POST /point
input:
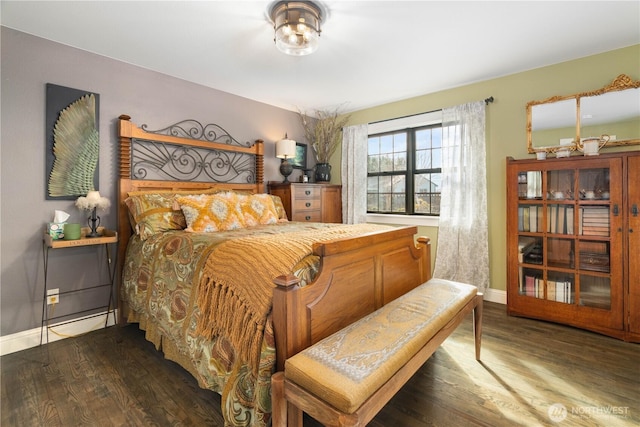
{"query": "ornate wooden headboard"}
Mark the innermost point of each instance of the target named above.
(185, 155)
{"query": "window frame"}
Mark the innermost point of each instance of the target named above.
(409, 125)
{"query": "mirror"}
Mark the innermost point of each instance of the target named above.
(558, 123)
(616, 114)
(554, 123)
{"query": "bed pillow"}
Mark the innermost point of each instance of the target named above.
(152, 212)
(277, 202)
(214, 212)
(258, 209)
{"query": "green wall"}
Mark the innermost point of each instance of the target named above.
(506, 124)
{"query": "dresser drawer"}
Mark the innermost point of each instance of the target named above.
(308, 216)
(307, 192)
(306, 204)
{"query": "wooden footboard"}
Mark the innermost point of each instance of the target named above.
(357, 276)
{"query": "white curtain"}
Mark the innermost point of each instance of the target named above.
(463, 248)
(354, 174)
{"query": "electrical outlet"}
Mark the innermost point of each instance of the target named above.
(53, 296)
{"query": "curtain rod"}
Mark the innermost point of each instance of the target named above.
(487, 101)
(404, 117)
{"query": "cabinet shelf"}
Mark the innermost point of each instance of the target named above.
(568, 245)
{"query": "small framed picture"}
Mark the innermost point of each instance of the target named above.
(300, 160)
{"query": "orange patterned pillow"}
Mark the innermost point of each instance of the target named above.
(258, 209)
(282, 213)
(216, 212)
(153, 211)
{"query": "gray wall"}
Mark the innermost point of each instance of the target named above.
(28, 63)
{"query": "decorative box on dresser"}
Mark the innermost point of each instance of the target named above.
(573, 239)
(309, 202)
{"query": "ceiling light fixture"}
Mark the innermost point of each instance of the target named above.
(297, 26)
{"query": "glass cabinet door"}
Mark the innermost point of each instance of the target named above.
(565, 228)
(563, 235)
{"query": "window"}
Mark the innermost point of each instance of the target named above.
(404, 170)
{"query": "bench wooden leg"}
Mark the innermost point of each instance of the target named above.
(477, 324)
(278, 402)
(283, 413)
(294, 415)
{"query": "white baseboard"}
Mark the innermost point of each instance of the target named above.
(495, 295)
(31, 338)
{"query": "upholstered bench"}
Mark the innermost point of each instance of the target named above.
(346, 378)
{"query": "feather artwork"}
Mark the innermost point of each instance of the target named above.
(76, 147)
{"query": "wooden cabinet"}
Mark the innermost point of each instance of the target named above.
(572, 224)
(310, 202)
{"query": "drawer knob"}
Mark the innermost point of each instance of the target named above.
(307, 218)
(307, 204)
(307, 192)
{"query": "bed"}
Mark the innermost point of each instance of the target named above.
(230, 303)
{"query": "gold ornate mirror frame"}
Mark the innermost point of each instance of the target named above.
(565, 113)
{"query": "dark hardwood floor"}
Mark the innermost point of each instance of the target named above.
(113, 377)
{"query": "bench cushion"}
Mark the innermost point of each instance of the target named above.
(345, 368)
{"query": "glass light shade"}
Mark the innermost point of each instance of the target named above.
(297, 27)
(285, 148)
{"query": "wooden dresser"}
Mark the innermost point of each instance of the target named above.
(309, 202)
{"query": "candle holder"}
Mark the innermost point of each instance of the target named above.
(93, 201)
(94, 222)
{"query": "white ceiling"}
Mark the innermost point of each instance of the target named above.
(371, 52)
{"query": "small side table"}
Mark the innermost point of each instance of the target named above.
(107, 237)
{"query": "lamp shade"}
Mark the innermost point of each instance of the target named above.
(285, 148)
(297, 26)
(93, 197)
(93, 200)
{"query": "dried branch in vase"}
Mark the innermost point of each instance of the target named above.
(323, 129)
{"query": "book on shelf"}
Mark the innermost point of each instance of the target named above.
(559, 291)
(539, 288)
(596, 211)
(594, 221)
(521, 287)
(534, 184)
(530, 218)
(552, 212)
(533, 219)
(595, 231)
(551, 290)
(562, 291)
(560, 219)
(529, 283)
(520, 218)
